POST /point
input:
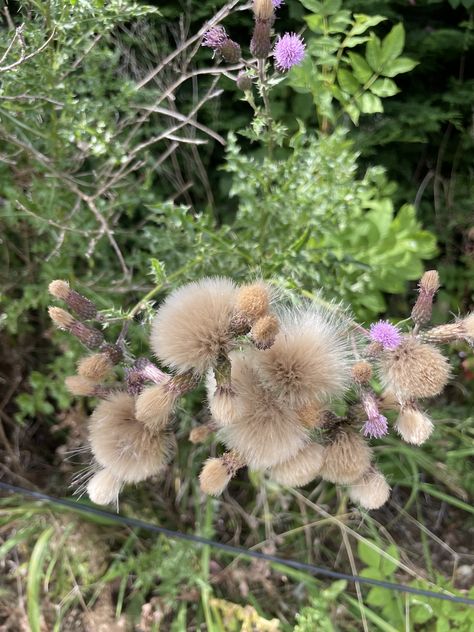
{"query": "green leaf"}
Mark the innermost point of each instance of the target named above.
(35, 571)
(330, 6)
(312, 5)
(398, 66)
(355, 41)
(360, 67)
(157, 271)
(393, 43)
(384, 88)
(387, 567)
(364, 22)
(373, 52)
(315, 22)
(347, 81)
(369, 103)
(354, 112)
(368, 554)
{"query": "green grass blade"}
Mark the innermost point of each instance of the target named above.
(35, 567)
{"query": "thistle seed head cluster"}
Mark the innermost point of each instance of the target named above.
(272, 374)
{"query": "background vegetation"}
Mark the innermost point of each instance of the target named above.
(130, 163)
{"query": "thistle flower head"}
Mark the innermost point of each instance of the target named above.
(155, 404)
(217, 473)
(386, 334)
(264, 331)
(414, 370)
(301, 469)
(191, 329)
(362, 372)
(59, 289)
(371, 491)
(104, 488)
(253, 301)
(80, 385)
(289, 51)
(346, 458)
(413, 426)
(309, 360)
(125, 446)
(376, 425)
(95, 367)
(215, 37)
(278, 3)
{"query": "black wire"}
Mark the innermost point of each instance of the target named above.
(228, 548)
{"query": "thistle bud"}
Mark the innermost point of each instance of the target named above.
(244, 82)
(79, 304)
(113, 352)
(264, 331)
(263, 9)
(260, 44)
(362, 372)
(95, 367)
(230, 51)
(61, 318)
(428, 286)
(91, 338)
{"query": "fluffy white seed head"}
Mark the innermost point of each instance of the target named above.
(346, 458)
(265, 432)
(413, 426)
(371, 491)
(125, 446)
(191, 328)
(155, 404)
(104, 488)
(224, 406)
(302, 468)
(310, 358)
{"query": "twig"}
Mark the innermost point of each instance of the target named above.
(24, 58)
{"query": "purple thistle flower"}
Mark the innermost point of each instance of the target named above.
(277, 3)
(385, 333)
(289, 51)
(376, 425)
(215, 37)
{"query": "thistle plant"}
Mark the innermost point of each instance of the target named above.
(276, 369)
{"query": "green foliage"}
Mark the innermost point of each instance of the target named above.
(335, 74)
(424, 614)
(317, 616)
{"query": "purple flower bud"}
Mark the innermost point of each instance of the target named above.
(277, 3)
(376, 425)
(215, 37)
(385, 333)
(289, 51)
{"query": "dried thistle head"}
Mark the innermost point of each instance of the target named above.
(264, 331)
(104, 488)
(263, 9)
(61, 318)
(123, 445)
(312, 415)
(192, 327)
(217, 472)
(81, 386)
(301, 469)
(155, 404)
(371, 491)
(361, 372)
(309, 360)
(414, 370)
(199, 434)
(346, 458)
(59, 289)
(253, 301)
(79, 304)
(265, 432)
(95, 367)
(412, 425)
(224, 405)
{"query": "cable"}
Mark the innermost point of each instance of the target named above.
(228, 548)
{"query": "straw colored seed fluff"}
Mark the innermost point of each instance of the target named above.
(191, 329)
(310, 359)
(155, 404)
(371, 491)
(346, 459)
(414, 370)
(302, 468)
(95, 367)
(104, 488)
(413, 426)
(125, 446)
